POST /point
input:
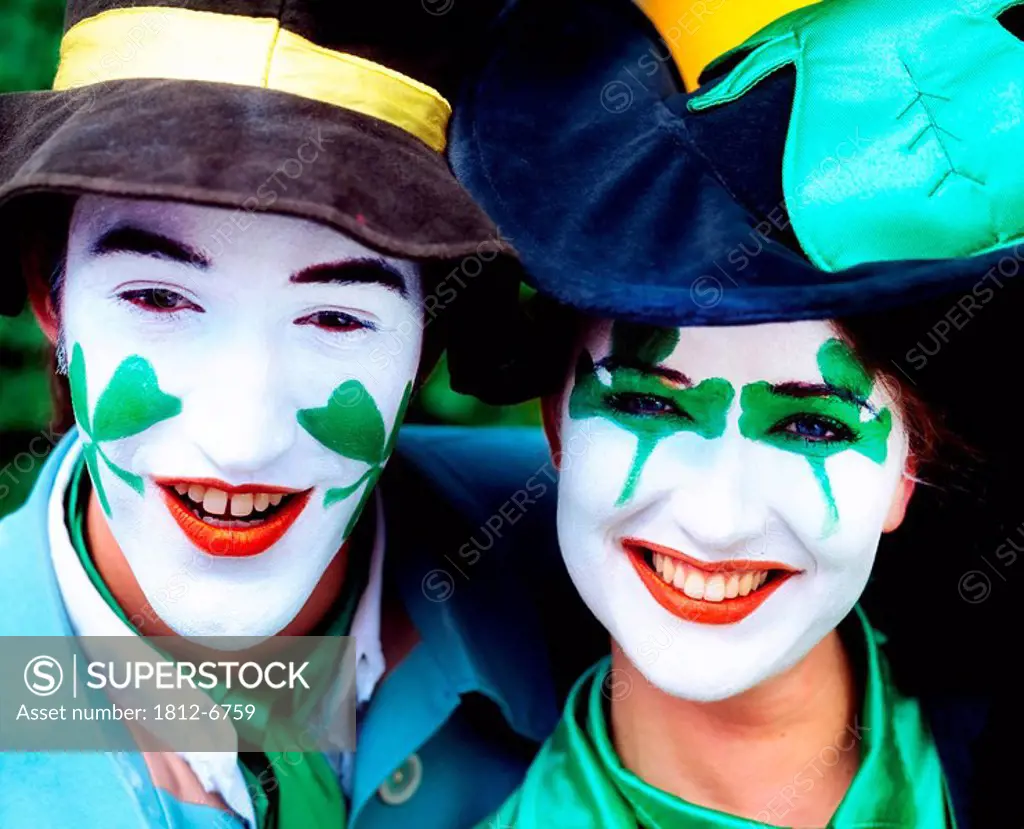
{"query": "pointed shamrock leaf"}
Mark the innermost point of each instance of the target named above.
(350, 424)
(342, 492)
(79, 390)
(313, 419)
(90, 451)
(132, 402)
(133, 480)
(402, 406)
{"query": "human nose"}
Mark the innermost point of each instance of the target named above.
(238, 414)
(722, 510)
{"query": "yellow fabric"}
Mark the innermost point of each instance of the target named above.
(187, 45)
(698, 32)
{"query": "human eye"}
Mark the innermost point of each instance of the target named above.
(639, 404)
(337, 322)
(158, 300)
(812, 428)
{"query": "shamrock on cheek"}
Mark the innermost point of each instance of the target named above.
(131, 402)
(351, 425)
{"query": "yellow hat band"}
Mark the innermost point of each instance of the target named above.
(186, 45)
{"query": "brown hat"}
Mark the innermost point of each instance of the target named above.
(329, 111)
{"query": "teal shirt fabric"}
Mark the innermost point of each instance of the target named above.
(471, 554)
(578, 779)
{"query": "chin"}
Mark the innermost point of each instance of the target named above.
(683, 682)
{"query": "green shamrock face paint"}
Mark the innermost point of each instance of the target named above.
(129, 404)
(634, 389)
(351, 425)
(779, 416)
(623, 389)
(204, 388)
(793, 470)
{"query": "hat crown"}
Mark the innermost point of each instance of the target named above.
(905, 131)
(427, 40)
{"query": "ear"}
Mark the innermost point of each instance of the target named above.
(39, 294)
(551, 413)
(901, 498)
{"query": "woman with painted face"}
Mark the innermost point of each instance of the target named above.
(235, 224)
(753, 376)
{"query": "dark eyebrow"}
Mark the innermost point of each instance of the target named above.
(801, 390)
(140, 242)
(676, 378)
(354, 272)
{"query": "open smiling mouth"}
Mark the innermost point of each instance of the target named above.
(232, 521)
(718, 594)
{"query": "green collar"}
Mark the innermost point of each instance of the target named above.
(308, 794)
(578, 779)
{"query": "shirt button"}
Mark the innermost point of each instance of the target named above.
(403, 782)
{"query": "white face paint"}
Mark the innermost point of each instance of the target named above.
(713, 456)
(232, 374)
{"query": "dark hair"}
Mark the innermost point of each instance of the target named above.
(875, 342)
(943, 577)
(42, 231)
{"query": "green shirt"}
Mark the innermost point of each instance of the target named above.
(578, 782)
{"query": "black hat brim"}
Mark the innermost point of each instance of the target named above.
(238, 147)
(573, 138)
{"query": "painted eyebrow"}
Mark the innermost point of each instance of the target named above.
(802, 390)
(140, 242)
(354, 272)
(677, 378)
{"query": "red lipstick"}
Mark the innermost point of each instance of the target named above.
(726, 611)
(238, 540)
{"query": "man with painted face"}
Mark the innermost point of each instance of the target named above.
(235, 224)
(745, 268)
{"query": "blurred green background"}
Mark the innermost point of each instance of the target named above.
(30, 32)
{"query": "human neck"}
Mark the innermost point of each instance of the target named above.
(743, 755)
(116, 573)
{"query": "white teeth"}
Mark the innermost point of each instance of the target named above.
(241, 505)
(692, 581)
(679, 579)
(714, 588)
(218, 502)
(215, 501)
(694, 586)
